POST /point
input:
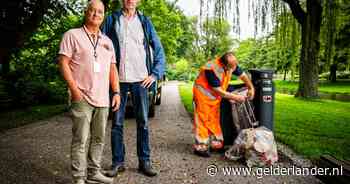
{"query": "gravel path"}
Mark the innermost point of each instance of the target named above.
(39, 153)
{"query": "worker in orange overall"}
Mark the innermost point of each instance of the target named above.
(208, 90)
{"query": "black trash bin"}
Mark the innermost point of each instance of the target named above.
(228, 128)
(263, 104)
(264, 100)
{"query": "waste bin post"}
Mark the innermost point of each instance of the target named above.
(264, 100)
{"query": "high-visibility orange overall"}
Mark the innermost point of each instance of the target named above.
(207, 103)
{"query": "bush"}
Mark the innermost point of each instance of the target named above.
(340, 75)
(181, 71)
(39, 92)
(27, 90)
(343, 75)
(324, 75)
(171, 74)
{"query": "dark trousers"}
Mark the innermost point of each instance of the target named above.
(140, 102)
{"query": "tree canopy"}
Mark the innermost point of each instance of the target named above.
(306, 38)
(309, 14)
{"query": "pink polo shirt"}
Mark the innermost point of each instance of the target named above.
(93, 83)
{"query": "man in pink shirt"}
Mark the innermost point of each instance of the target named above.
(87, 62)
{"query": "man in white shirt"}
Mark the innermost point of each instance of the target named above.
(133, 36)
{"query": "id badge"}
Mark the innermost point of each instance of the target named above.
(97, 67)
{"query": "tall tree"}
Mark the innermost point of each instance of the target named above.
(342, 40)
(216, 37)
(330, 29)
(19, 19)
(167, 21)
(335, 37)
(310, 21)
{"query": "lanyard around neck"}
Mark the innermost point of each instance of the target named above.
(92, 43)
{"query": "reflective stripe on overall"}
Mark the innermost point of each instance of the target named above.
(206, 103)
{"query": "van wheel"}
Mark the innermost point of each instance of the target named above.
(159, 97)
(152, 111)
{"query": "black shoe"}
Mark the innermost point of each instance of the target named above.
(115, 170)
(220, 150)
(205, 153)
(146, 169)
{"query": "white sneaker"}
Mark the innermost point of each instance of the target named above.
(99, 178)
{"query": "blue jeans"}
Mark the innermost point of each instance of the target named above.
(140, 102)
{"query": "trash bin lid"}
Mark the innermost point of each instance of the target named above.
(262, 73)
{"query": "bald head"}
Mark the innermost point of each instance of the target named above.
(94, 13)
(91, 3)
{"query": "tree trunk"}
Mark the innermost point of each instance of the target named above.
(4, 61)
(308, 82)
(12, 41)
(330, 26)
(285, 75)
(310, 22)
(333, 73)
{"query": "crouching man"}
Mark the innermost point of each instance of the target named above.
(208, 90)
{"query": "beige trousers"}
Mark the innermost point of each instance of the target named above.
(87, 120)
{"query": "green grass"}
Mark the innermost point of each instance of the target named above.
(310, 127)
(20, 117)
(185, 90)
(313, 128)
(342, 87)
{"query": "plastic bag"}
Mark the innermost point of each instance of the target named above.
(256, 145)
(243, 113)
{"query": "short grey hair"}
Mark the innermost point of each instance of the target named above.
(122, 2)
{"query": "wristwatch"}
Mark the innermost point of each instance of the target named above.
(116, 93)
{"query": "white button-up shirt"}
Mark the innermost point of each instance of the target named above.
(132, 66)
